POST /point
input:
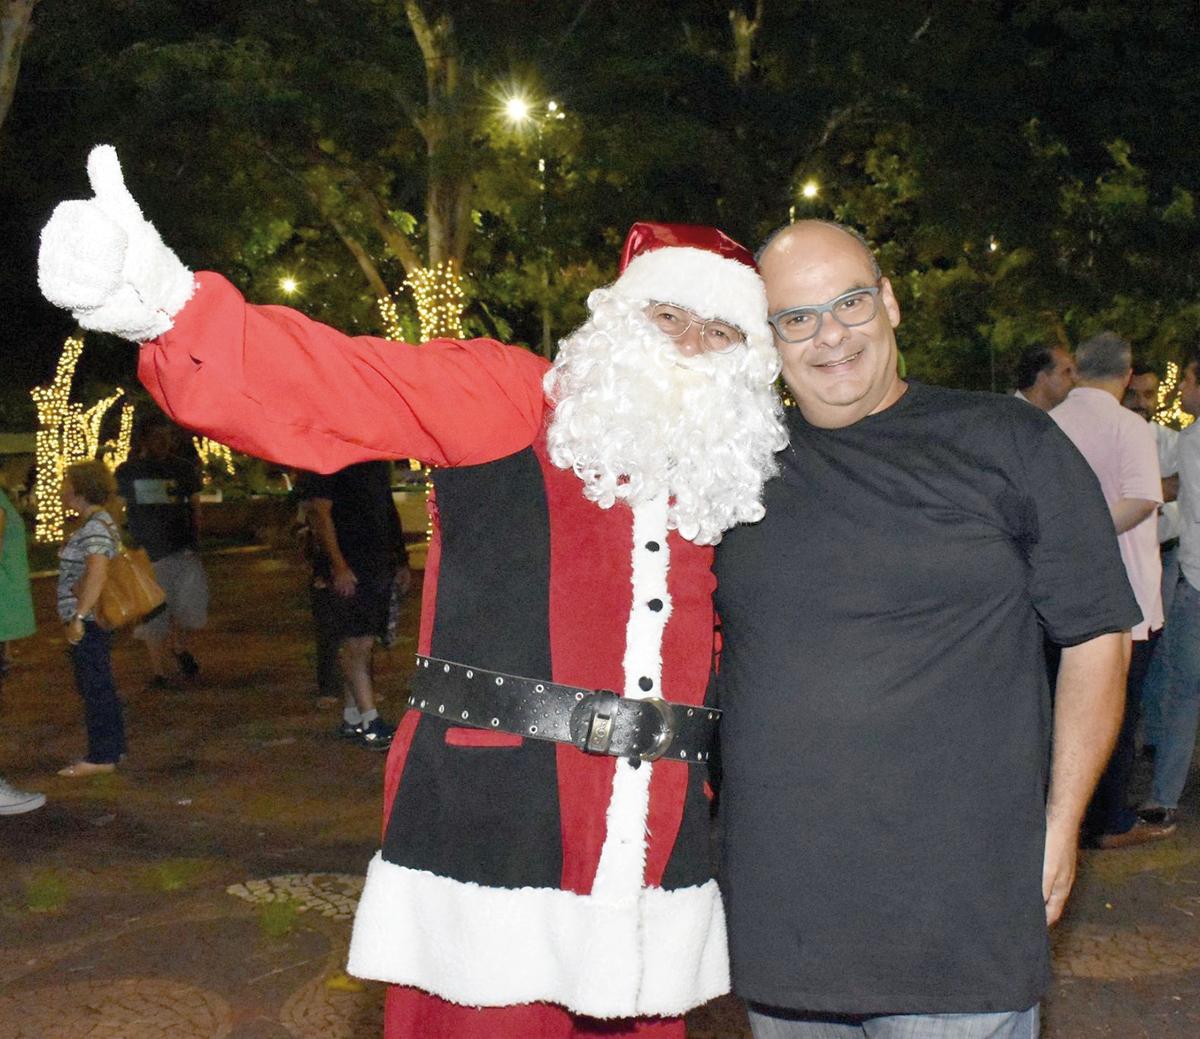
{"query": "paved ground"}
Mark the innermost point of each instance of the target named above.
(206, 889)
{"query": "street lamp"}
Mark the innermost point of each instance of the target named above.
(516, 108)
(519, 111)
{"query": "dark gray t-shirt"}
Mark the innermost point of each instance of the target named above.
(885, 742)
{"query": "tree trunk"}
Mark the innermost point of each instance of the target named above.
(15, 23)
(745, 29)
(446, 127)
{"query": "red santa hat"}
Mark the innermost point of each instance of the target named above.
(697, 267)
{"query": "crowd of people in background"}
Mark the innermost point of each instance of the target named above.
(1150, 476)
(353, 543)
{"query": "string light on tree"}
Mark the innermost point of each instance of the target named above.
(89, 423)
(391, 318)
(53, 408)
(118, 450)
(1170, 412)
(439, 295)
(214, 454)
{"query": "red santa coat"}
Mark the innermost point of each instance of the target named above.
(512, 871)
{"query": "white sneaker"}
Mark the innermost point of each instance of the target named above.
(14, 801)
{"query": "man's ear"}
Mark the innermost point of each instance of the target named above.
(888, 298)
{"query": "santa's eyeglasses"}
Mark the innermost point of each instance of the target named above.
(715, 336)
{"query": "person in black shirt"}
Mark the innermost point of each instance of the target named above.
(161, 492)
(359, 551)
(890, 861)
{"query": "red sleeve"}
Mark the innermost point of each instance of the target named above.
(272, 383)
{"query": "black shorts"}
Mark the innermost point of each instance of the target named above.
(361, 614)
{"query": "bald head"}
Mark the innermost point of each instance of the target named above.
(782, 235)
(846, 369)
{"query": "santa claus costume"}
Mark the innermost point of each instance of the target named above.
(545, 862)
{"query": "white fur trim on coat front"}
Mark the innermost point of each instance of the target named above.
(657, 953)
(623, 857)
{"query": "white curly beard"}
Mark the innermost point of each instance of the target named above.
(634, 417)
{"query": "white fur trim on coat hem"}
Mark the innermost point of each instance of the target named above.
(659, 954)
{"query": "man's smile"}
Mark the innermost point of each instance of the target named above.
(841, 361)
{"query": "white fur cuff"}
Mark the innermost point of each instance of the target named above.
(660, 953)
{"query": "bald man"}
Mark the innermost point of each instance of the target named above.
(891, 862)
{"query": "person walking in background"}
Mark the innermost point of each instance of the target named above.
(358, 553)
(16, 622)
(82, 570)
(161, 493)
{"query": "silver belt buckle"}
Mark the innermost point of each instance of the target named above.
(603, 710)
(666, 734)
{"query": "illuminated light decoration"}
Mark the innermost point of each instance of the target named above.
(439, 295)
(52, 406)
(810, 190)
(88, 424)
(117, 451)
(289, 286)
(214, 454)
(391, 318)
(993, 245)
(1170, 411)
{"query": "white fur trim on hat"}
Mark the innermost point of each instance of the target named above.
(709, 285)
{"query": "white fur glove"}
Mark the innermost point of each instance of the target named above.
(105, 263)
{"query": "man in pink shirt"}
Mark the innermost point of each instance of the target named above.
(1121, 451)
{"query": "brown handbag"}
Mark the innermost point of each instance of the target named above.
(130, 593)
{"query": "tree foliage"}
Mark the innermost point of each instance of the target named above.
(1026, 168)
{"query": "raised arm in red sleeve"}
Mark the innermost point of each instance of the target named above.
(272, 383)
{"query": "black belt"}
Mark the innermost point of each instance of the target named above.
(595, 721)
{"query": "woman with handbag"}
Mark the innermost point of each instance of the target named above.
(82, 571)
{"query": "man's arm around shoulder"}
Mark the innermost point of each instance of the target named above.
(1089, 701)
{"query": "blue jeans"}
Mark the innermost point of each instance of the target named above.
(91, 659)
(1178, 669)
(1153, 689)
(1022, 1024)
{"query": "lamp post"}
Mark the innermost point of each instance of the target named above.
(519, 111)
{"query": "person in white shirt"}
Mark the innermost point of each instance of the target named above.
(1142, 397)
(1180, 650)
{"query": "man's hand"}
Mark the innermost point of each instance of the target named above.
(1058, 870)
(105, 263)
(344, 581)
